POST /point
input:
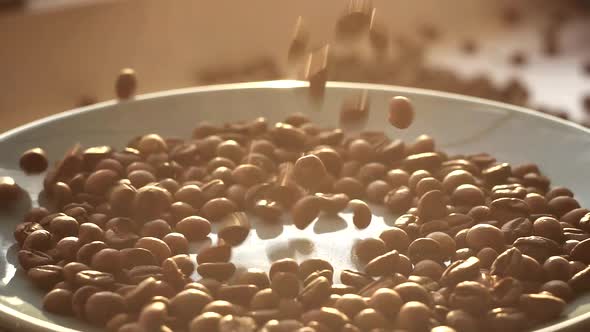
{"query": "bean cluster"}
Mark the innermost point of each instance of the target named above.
(479, 245)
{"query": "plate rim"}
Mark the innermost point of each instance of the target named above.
(8, 314)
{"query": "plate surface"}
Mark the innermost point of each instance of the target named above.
(459, 125)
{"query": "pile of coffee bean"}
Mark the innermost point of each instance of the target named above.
(479, 245)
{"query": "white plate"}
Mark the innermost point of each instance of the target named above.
(459, 124)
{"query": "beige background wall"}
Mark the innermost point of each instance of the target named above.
(50, 59)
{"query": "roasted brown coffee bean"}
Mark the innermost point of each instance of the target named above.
(470, 296)
(516, 228)
(34, 215)
(94, 278)
(10, 191)
(33, 161)
(139, 273)
(561, 205)
(285, 284)
(107, 260)
(287, 136)
(23, 230)
(253, 276)
(150, 202)
(218, 208)
(352, 187)
(265, 299)
(157, 247)
(332, 318)
(558, 288)
(432, 206)
(100, 181)
(234, 228)
(506, 319)
(424, 248)
(382, 265)
(38, 240)
(505, 209)
(401, 112)
(411, 291)
(386, 301)
(177, 243)
(63, 226)
(102, 306)
(468, 195)
(355, 279)
(428, 268)
(457, 178)
(312, 265)
(217, 271)
(207, 321)
(283, 265)
(237, 294)
(482, 235)
(461, 270)
(580, 252)
(486, 257)
(217, 253)
(89, 232)
(126, 84)
(223, 308)
(427, 184)
(194, 228)
(537, 247)
(395, 239)
(369, 319)
(422, 161)
(548, 227)
(306, 210)
(398, 200)
(58, 301)
(156, 228)
(80, 297)
(542, 307)
(377, 190)
(350, 304)
(446, 243)
(188, 304)
(462, 320)
(361, 213)
(414, 316)
(507, 291)
(497, 174)
(46, 276)
(367, 249)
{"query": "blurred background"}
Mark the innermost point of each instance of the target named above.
(60, 54)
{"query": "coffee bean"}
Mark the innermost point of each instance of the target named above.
(468, 195)
(361, 213)
(424, 248)
(398, 200)
(107, 260)
(496, 174)
(461, 270)
(401, 112)
(542, 307)
(46, 276)
(352, 187)
(558, 288)
(102, 306)
(377, 190)
(188, 304)
(414, 316)
(355, 279)
(367, 249)
(33, 161)
(150, 202)
(234, 228)
(470, 296)
(207, 321)
(422, 161)
(157, 247)
(63, 226)
(237, 294)
(446, 243)
(332, 318)
(486, 257)
(126, 84)
(194, 228)
(507, 291)
(508, 263)
(561, 205)
(306, 210)
(537, 247)
(383, 264)
(177, 243)
(333, 203)
(312, 265)
(218, 208)
(482, 235)
(431, 206)
(94, 278)
(548, 227)
(506, 319)
(411, 291)
(505, 209)
(395, 239)
(516, 228)
(58, 301)
(217, 271)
